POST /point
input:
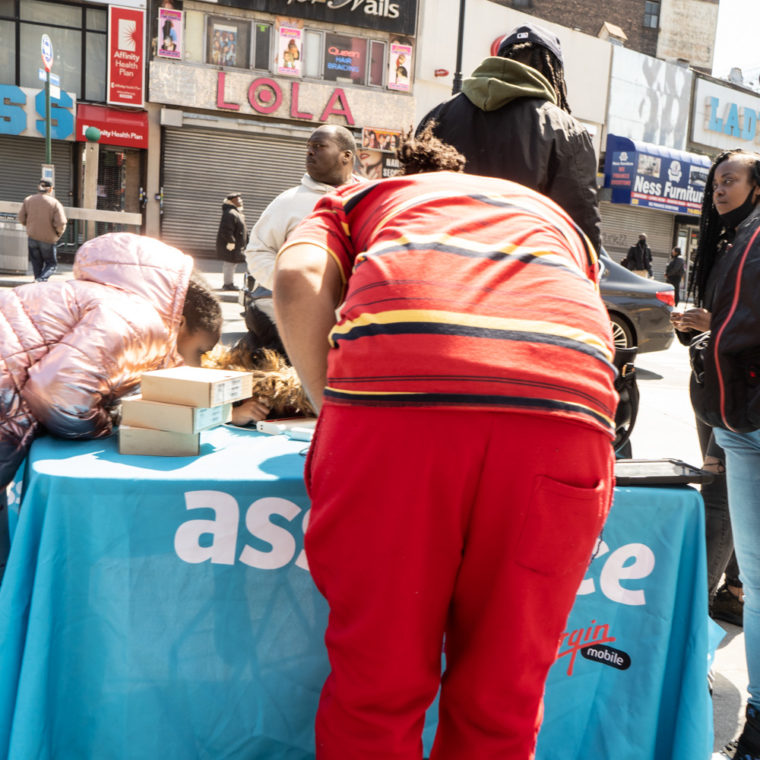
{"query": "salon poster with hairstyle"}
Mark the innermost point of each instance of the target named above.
(169, 33)
(400, 67)
(386, 140)
(289, 47)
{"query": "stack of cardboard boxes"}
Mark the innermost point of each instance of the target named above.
(175, 405)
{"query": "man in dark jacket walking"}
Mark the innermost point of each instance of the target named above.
(674, 272)
(639, 258)
(512, 120)
(231, 238)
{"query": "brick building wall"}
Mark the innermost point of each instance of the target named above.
(589, 15)
(687, 31)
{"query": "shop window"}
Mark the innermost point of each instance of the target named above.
(345, 59)
(7, 52)
(228, 42)
(312, 54)
(97, 20)
(262, 42)
(94, 82)
(376, 63)
(79, 45)
(67, 56)
(651, 14)
(51, 13)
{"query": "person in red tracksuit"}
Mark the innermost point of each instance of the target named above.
(461, 467)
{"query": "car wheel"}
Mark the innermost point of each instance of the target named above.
(622, 334)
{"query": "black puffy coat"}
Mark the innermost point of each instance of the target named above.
(506, 124)
(231, 230)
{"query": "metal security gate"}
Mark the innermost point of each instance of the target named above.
(201, 166)
(20, 168)
(622, 225)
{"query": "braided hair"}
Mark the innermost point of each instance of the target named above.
(710, 229)
(539, 58)
(427, 153)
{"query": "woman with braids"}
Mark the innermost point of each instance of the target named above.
(458, 482)
(512, 120)
(725, 281)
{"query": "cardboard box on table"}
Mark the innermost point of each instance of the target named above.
(177, 418)
(175, 405)
(196, 386)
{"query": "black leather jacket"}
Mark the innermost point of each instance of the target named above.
(506, 125)
(732, 358)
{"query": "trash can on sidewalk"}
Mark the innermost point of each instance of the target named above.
(14, 256)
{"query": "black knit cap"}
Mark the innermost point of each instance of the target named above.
(535, 34)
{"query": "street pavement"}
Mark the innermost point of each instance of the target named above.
(664, 428)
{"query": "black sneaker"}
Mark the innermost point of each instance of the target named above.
(230, 286)
(727, 607)
(727, 753)
(747, 746)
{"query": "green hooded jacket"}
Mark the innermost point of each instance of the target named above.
(497, 81)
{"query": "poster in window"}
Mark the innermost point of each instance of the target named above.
(400, 67)
(223, 42)
(289, 51)
(169, 33)
(385, 140)
(375, 164)
(126, 56)
(345, 59)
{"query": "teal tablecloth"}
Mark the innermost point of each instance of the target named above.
(162, 608)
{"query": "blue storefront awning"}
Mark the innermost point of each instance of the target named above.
(653, 176)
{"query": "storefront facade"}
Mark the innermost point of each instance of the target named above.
(89, 41)
(653, 183)
(239, 87)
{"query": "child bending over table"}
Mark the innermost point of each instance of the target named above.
(70, 350)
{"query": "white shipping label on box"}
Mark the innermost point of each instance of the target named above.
(231, 390)
(211, 416)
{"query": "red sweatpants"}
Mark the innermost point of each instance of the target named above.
(476, 526)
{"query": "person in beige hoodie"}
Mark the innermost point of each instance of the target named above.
(45, 222)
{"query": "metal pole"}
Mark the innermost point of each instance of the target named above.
(457, 85)
(48, 151)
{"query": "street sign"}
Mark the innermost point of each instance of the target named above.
(55, 80)
(46, 49)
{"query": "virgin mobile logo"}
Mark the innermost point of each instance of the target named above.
(592, 643)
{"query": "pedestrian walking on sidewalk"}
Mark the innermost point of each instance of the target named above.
(231, 239)
(674, 272)
(45, 221)
(458, 483)
(639, 258)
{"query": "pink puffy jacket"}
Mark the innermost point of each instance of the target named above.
(69, 350)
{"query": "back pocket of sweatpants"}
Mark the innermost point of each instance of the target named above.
(561, 526)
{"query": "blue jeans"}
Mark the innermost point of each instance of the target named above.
(743, 478)
(43, 258)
